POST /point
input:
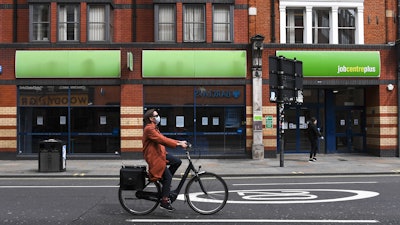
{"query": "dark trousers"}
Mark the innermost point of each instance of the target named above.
(314, 148)
(172, 165)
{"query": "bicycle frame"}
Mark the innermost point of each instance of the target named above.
(151, 196)
(174, 194)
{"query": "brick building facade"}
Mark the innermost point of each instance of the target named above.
(84, 73)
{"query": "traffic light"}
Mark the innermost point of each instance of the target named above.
(285, 80)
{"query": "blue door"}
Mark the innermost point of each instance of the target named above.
(350, 130)
(345, 123)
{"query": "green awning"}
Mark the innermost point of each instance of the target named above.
(337, 63)
(193, 64)
(68, 64)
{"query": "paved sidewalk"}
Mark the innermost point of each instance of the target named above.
(294, 164)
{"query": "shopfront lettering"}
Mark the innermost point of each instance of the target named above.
(53, 100)
(356, 69)
(204, 93)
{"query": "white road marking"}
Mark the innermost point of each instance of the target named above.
(27, 186)
(285, 196)
(247, 221)
(311, 183)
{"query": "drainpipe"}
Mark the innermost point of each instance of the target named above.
(15, 15)
(134, 20)
(273, 21)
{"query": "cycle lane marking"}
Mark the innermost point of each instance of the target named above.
(285, 196)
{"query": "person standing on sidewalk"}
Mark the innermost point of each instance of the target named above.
(313, 134)
(162, 165)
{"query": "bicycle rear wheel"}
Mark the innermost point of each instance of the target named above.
(206, 193)
(140, 202)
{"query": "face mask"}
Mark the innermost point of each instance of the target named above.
(158, 119)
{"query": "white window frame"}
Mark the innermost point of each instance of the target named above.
(334, 6)
(317, 28)
(64, 24)
(346, 28)
(291, 26)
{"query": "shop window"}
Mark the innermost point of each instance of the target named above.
(86, 118)
(222, 23)
(165, 26)
(40, 22)
(99, 23)
(68, 23)
(194, 23)
(349, 97)
(212, 118)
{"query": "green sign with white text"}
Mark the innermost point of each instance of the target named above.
(337, 63)
(269, 122)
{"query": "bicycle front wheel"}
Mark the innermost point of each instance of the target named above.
(140, 202)
(206, 193)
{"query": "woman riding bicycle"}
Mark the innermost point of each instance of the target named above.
(157, 157)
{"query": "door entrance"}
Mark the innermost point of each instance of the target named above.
(341, 117)
(296, 118)
(349, 130)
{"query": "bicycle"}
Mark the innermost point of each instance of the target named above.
(206, 193)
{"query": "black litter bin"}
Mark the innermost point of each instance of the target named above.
(52, 156)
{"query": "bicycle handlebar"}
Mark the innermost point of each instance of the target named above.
(189, 146)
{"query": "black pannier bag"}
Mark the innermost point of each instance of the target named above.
(132, 177)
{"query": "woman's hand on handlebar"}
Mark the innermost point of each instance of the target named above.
(183, 144)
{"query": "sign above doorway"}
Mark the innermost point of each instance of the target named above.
(337, 63)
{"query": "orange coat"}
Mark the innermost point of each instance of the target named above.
(154, 150)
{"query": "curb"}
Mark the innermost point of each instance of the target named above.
(222, 175)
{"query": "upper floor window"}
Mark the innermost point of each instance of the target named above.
(99, 23)
(222, 23)
(321, 26)
(165, 23)
(307, 22)
(347, 26)
(294, 26)
(68, 22)
(40, 22)
(194, 23)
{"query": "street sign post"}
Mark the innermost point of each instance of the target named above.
(286, 87)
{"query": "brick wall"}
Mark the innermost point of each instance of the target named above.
(6, 25)
(8, 118)
(380, 25)
(131, 118)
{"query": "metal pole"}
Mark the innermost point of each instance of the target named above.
(281, 132)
